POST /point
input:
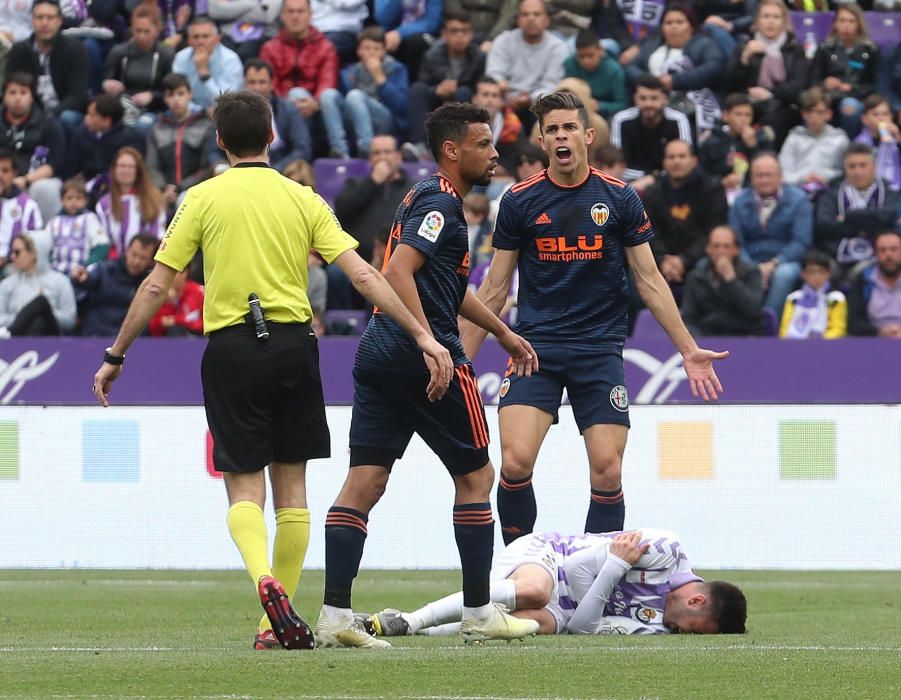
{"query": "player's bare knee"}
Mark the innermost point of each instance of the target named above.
(363, 488)
(606, 472)
(517, 466)
(475, 487)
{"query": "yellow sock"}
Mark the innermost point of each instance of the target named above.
(248, 530)
(292, 535)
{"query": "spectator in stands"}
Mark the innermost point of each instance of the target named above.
(182, 312)
(732, 16)
(771, 68)
(292, 136)
(35, 299)
(317, 290)
(812, 154)
(410, 28)
(18, 212)
(723, 293)
(816, 310)
(210, 67)
(246, 24)
(181, 146)
(528, 61)
(305, 66)
(774, 222)
(477, 212)
(882, 134)
(685, 205)
(845, 65)
(727, 150)
(601, 72)
(569, 17)
(110, 286)
(489, 19)
(375, 96)
(15, 23)
(59, 65)
(37, 142)
(76, 235)
(102, 135)
(889, 79)
(688, 64)
(301, 172)
(874, 303)
(448, 72)
(341, 21)
(133, 205)
(506, 128)
(642, 131)
(851, 212)
(176, 14)
(134, 70)
(608, 158)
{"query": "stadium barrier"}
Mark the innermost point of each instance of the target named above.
(789, 486)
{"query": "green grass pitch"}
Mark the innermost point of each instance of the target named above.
(174, 634)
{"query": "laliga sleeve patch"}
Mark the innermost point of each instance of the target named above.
(431, 226)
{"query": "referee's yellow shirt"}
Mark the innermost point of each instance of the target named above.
(255, 228)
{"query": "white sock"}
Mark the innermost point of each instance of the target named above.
(504, 592)
(450, 608)
(479, 613)
(338, 615)
(451, 628)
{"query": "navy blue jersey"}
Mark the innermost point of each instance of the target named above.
(430, 219)
(571, 243)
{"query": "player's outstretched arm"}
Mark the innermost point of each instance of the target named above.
(525, 359)
(656, 295)
(493, 294)
(395, 295)
(154, 290)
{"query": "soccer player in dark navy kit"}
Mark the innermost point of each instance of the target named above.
(572, 229)
(427, 264)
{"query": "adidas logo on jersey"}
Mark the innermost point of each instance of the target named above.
(543, 219)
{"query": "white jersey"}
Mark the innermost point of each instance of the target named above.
(121, 232)
(18, 214)
(74, 235)
(596, 592)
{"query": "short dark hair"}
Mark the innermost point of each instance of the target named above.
(691, 147)
(586, 39)
(874, 100)
(561, 99)
(729, 607)
(859, 149)
(372, 33)
(456, 15)
(203, 19)
(650, 82)
(529, 152)
(886, 232)
(812, 97)
(450, 122)
(6, 154)
(173, 81)
(55, 3)
(259, 64)
(737, 99)
(243, 120)
(26, 80)
(109, 106)
(488, 80)
(145, 240)
(607, 154)
(76, 184)
(817, 258)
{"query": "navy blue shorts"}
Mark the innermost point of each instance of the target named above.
(390, 406)
(594, 380)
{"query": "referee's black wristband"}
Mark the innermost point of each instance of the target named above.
(109, 358)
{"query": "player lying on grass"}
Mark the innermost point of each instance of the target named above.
(637, 582)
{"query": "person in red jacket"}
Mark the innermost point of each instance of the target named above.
(182, 312)
(305, 65)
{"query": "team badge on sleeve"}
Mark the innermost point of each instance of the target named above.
(600, 213)
(431, 226)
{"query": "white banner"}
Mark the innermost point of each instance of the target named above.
(797, 487)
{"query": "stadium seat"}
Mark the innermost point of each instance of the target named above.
(647, 328)
(817, 22)
(345, 322)
(885, 28)
(332, 172)
(419, 170)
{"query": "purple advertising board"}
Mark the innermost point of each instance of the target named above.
(46, 371)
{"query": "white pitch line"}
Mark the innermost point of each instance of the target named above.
(307, 697)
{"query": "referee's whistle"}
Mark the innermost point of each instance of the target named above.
(256, 313)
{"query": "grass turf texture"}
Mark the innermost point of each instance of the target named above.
(168, 634)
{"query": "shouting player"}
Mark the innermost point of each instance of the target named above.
(572, 230)
(636, 582)
(427, 264)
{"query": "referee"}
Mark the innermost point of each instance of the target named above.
(262, 393)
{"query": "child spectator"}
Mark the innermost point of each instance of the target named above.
(182, 144)
(100, 137)
(812, 154)
(882, 134)
(18, 211)
(77, 238)
(375, 99)
(34, 299)
(604, 75)
(133, 205)
(816, 310)
(182, 313)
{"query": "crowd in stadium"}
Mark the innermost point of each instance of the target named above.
(769, 163)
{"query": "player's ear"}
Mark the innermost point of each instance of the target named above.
(222, 145)
(271, 137)
(451, 150)
(697, 601)
(589, 136)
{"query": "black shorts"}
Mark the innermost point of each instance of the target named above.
(390, 407)
(264, 399)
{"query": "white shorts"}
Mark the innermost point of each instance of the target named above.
(532, 549)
